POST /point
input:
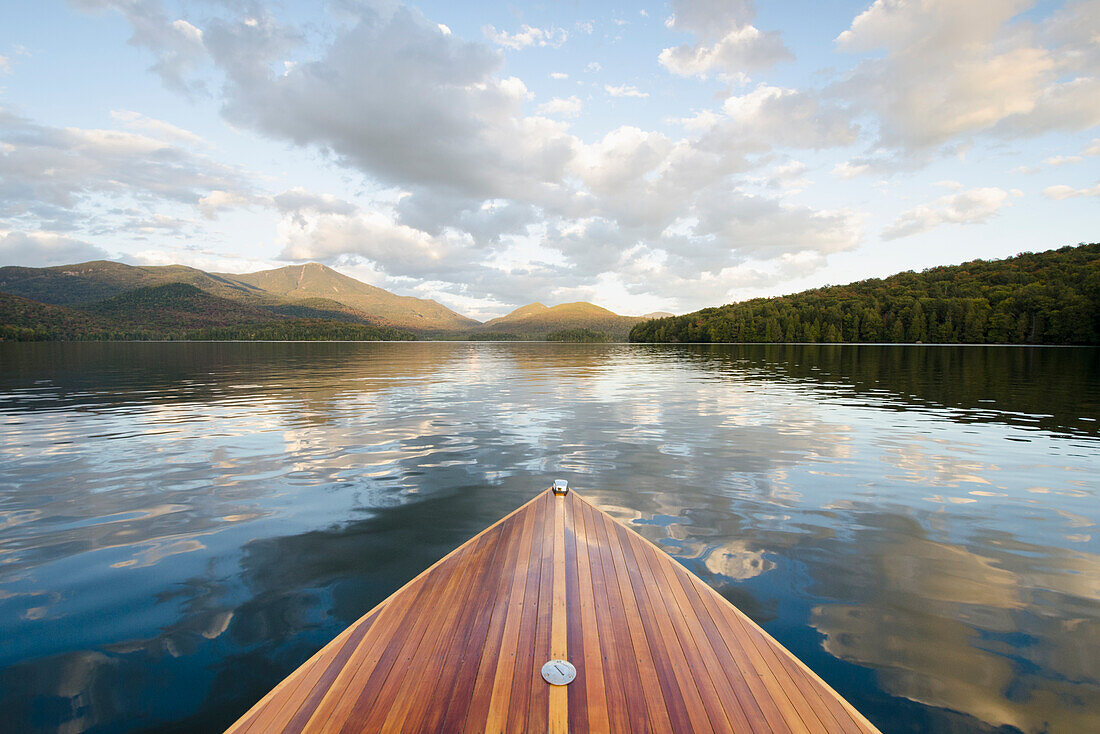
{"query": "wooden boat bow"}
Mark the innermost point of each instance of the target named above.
(461, 647)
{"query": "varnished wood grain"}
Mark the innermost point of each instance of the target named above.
(461, 646)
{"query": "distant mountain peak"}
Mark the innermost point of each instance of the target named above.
(538, 319)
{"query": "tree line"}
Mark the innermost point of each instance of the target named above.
(1034, 298)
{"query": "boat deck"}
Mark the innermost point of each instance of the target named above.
(461, 646)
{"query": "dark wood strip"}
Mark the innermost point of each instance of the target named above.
(586, 648)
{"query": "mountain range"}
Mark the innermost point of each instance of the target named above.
(105, 299)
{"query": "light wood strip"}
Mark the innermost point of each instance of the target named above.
(559, 695)
(538, 702)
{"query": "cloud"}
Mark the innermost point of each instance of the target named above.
(1061, 160)
(561, 107)
(295, 202)
(399, 249)
(973, 206)
(727, 42)
(5, 65)
(219, 200)
(526, 36)
(952, 70)
(394, 96)
(176, 43)
(766, 228)
(624, 90)
(55, 177)
(158, 128)
(507, 206)
(41, 249)
(741, 50)
(1062, 191)
(559, 75)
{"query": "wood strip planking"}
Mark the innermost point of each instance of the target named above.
(706, 592)
(485, 676)
(386, 624)
(415, 663)
(585, 712)
(333, 662)
(692, 652)
(355, 705)
(451, 715)
(667, 653)
(660, 709)
(440, 671)
(527, 663)
(510, 642)
(619, 678)
(558, 709)
(538, 702)
(697, 637)
(736, 678)
(460, 647)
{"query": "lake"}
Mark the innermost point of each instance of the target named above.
(181, 525)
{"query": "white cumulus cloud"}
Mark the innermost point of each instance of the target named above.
(972, 206)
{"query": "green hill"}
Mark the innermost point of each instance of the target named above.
(66, 285)
(314, 281)
(173, 311)
(303, 291)
(1049, 297)
(536, 321)
(177, 306)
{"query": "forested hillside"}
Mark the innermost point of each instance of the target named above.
(1048, 297)
(174, 311)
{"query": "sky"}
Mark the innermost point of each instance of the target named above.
(644, 157)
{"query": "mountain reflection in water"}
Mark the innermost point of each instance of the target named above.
(181, 525)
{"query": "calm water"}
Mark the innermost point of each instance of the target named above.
(182, 525)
